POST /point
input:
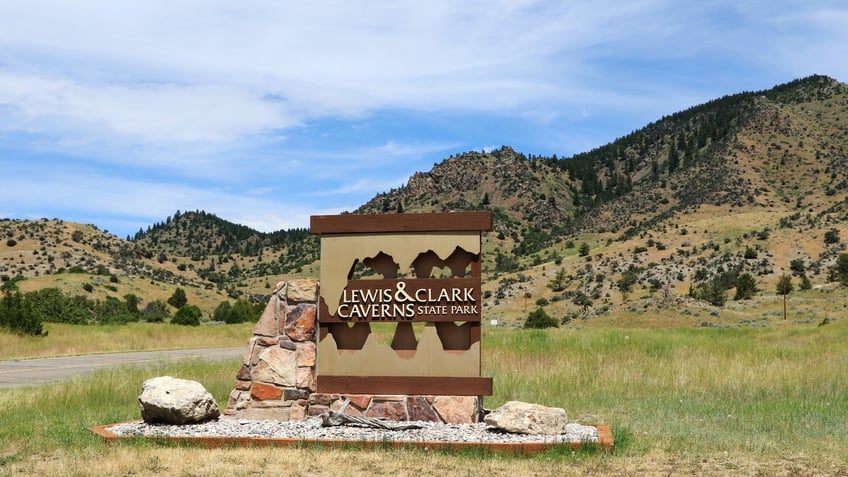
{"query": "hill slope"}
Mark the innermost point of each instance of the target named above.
(752, 183)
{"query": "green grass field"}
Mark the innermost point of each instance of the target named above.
(681, 401)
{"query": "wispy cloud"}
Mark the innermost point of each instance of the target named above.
(137, 113)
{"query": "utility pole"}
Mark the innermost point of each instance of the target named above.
(784, 296)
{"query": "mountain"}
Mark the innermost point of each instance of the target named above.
(721, 153)
(747, 185)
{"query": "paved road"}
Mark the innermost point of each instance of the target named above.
(27, 372)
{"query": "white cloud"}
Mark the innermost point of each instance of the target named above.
(343, 58)
(139, 113)
(200, 72)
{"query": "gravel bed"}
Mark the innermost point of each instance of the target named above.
(311, 429)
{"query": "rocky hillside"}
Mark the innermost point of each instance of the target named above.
(739, 150)
(525, 194)
(748, 184)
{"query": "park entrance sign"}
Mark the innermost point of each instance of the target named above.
(414, 276)
(391, 331)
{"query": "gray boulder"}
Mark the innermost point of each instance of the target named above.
(168, 400)
(525, 418)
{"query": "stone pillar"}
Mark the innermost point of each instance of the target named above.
(278, 369)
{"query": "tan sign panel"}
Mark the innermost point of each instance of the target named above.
(401, 269)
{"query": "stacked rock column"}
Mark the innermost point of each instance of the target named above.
(278, 369)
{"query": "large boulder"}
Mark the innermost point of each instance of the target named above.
(525, 418)
(168, 400)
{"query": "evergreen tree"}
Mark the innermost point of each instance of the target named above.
(784, 285)
(222, 311)
(178, 299)
(712, 291)
(132, 302)
(558, 282)
(673, 159)
(839, 271)
(628, 279)
(746, 287)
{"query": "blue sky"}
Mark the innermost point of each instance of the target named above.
(118, 113)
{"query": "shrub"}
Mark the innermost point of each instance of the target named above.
(17, 316)
(156, 311)
(113, 310)
(188, 315)
(539, 319)
(240, 312)
(580, 299)
(797, 266)
(53, 306)
(831, 236)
